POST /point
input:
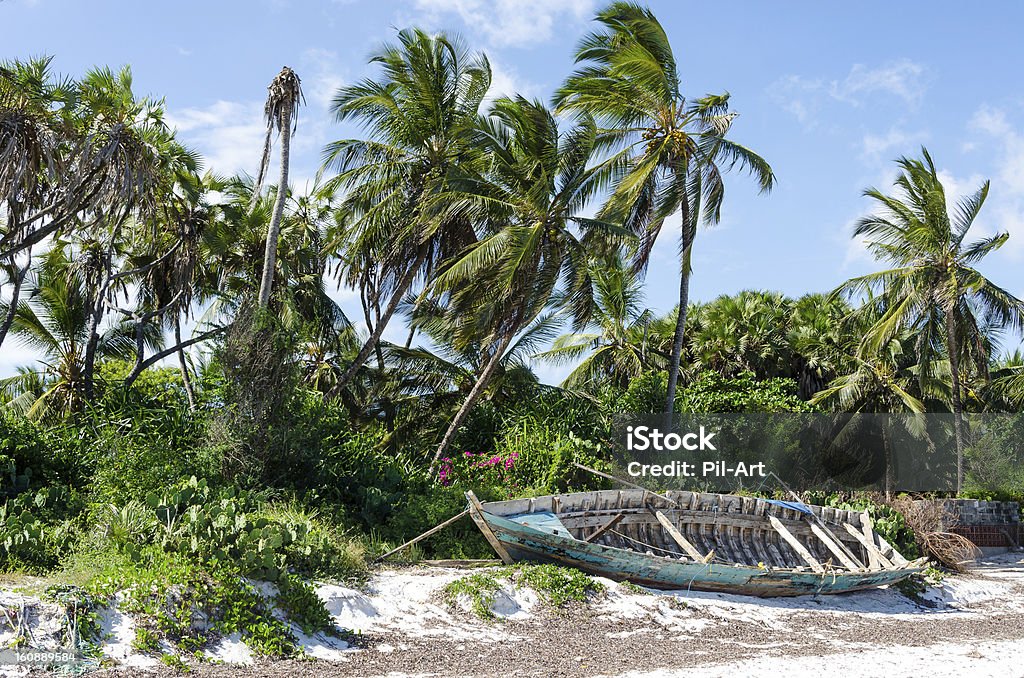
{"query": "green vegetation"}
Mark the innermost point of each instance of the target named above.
(557, 587)
(285, 444)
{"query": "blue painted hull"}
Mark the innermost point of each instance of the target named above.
(529, 544)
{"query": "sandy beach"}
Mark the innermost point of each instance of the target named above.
(397, 625)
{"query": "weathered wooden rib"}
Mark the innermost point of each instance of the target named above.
(752, 546)
(677, 537)
(596, 534)
(869, 545)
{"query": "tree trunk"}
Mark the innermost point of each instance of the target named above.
(95, 318)
(958, 409)
(186, 380)
(887, 451)
(160, 355)
(684, 302)
(15, 297)
(274, 231)
(89, 364)
(378, 330)
(474, 395)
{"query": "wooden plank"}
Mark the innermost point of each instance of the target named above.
(476, 512)
(677, 537)
(795, 543)
(426, 534)
(884, 563)
(604, 528)
(868, 533)
(463, 564)
(828, 540)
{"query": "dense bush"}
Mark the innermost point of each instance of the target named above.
(711, 392)
(226, 527)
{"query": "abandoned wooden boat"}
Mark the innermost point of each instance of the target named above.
(695, 540)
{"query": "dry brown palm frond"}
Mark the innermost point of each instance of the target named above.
(951, 550)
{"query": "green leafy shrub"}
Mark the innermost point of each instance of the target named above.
(36, 530)
(556, 586)
(711, 392)
(145, 439)
(33, 456)
(190, 605)
(21, 535)
(888, 522)
(299, 601)
(428, 506)
(226, 526)
(480, 588)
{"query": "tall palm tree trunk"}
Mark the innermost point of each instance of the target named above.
(958, 409)
(274, 230)
(96, 311)
(890, 471)
(378, 330)
(474, 395)
(186, 380)
(684, 302)
(12, 311)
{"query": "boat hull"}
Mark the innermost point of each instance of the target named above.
(525, 543)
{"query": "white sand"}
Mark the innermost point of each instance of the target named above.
(406, 603)
(998, 659)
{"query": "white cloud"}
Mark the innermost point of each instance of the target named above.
(797, 95)
(506, 82)
(894, 142)
(228, 134)
(511, 22)
(321, 76)
(1005, 206)
(904, 79)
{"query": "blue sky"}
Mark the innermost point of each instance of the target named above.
(829, 94)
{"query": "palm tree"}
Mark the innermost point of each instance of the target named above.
(433, 384)
(672, 150)
(745, 332)
(54, 320)
(40, 138)
(819, 338)
(284, 95)
(933, 286)
(418, 117)
(616, 347)
(1007, 388)
(528, 203)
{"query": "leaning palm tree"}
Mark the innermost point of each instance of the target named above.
(284, 95)
(933, 285)
(528, 202)
(672, 150)
(418, 117)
